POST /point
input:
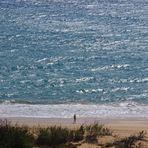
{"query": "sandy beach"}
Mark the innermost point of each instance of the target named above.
(122, 127)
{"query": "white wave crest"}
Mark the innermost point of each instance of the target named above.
(110, 67)
(84, 79)
(89, 91)
(120, 89)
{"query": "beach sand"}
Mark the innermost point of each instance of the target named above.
(121, 127)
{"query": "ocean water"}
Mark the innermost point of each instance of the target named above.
(60, 57)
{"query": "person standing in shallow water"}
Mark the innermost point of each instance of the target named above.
(74, 118)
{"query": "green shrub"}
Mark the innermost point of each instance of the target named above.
(53, 136)
(44, 137)
(93, 131)
(91, 134)
(78, 134)
(14, 136)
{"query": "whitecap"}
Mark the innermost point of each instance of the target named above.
(90, 91)
(84, 79)
(120, 89)
(24, 81)
(110, 67)
(139, 80)
(41, 60)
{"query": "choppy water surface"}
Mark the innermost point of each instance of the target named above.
(74, 51)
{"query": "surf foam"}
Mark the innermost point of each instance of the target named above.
(123, 110)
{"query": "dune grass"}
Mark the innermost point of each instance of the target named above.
(56, 135)
(94, 131)
(53, 136)
(14, 136)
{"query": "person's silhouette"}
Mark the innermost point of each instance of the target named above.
(74, 118)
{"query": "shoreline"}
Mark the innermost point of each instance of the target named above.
(119, 110)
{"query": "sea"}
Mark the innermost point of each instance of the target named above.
(65, 57)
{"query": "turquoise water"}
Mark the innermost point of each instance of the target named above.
(72, 51)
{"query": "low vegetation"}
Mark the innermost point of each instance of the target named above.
(129, 142)
(94, 131)
(14, 136)
(53, 136)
